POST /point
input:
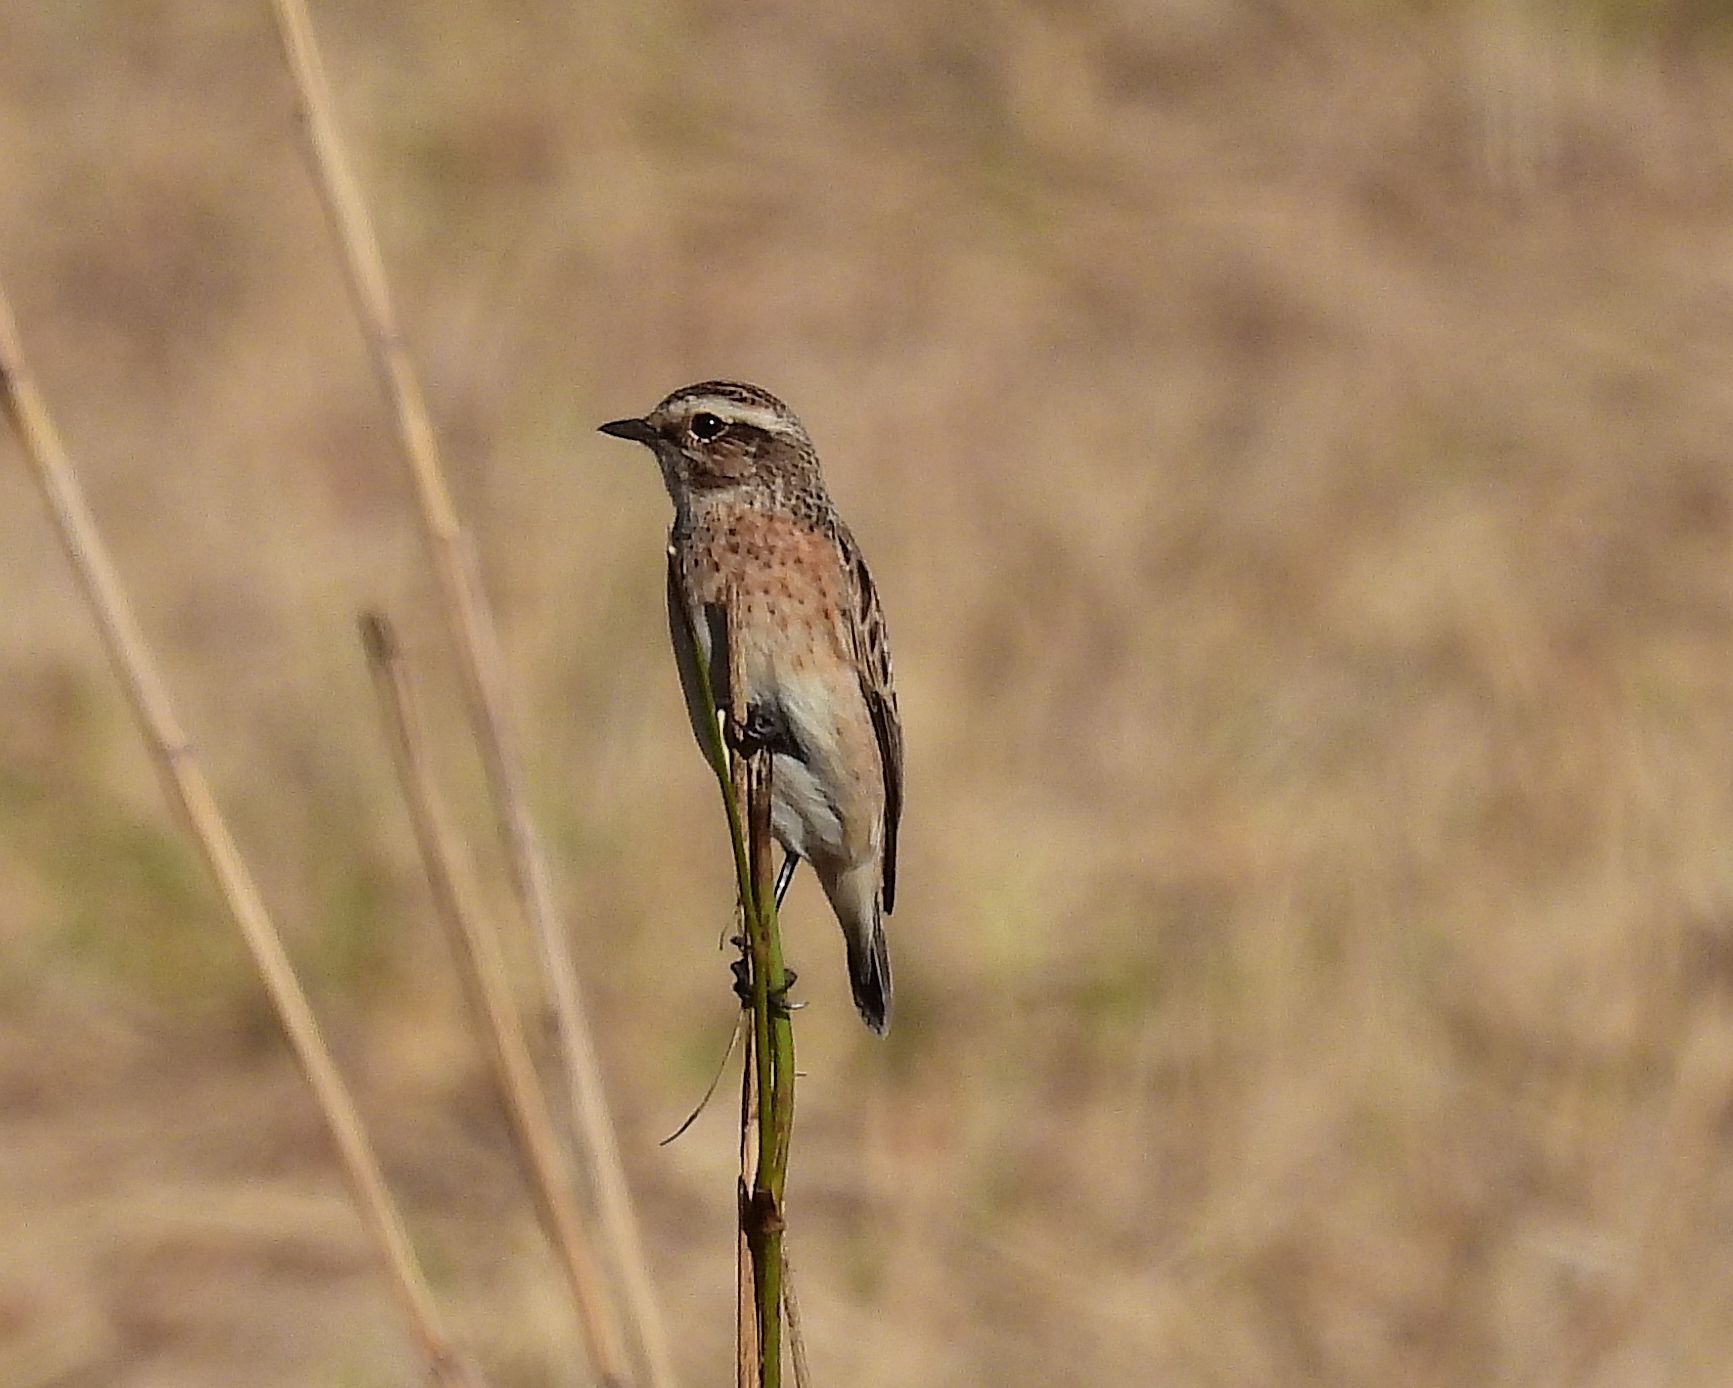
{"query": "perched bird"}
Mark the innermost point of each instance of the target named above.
(752, 520)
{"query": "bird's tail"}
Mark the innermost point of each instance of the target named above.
(869, 974)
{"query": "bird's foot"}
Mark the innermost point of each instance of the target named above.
(780, 1006)
(763, 729)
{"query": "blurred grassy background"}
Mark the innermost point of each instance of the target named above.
(1291, 441)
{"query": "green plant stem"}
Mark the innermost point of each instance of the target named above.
(775, 1057)
(771, 1054)
(714, 749)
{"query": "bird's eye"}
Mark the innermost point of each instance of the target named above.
(705, 426)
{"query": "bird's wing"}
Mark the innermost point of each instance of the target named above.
(872, 652)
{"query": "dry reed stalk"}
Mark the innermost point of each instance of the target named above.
(468, 616)
(191, 793)
(796, 1335)
(481, 964)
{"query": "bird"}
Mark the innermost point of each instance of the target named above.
(755, 525)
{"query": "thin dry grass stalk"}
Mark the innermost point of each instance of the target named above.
(191, 793)
(467, 614)
(481, 964)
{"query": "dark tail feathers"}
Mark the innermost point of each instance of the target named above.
(869, 973)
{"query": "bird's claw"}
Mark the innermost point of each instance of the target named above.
(780, 1006)
(763, 729)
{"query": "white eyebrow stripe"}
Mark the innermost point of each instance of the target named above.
(754, 416)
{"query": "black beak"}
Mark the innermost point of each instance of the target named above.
(637, 430)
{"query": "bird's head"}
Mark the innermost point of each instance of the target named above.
(722, 434)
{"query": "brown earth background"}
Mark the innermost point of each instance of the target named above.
(1292, 444)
